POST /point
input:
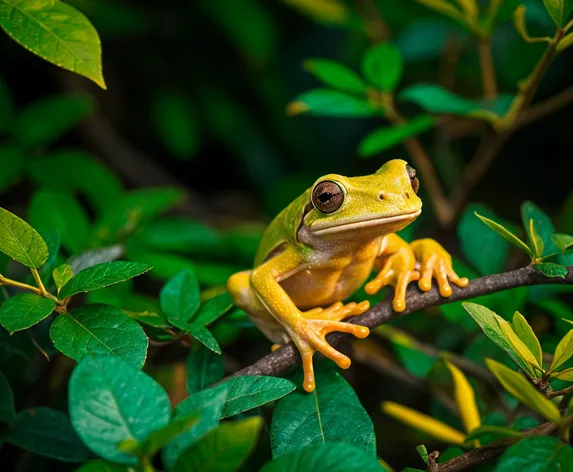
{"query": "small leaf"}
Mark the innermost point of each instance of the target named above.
(7, 408)
(330, 102)
(563, 351)
(423, 451)
(102, 275)
(102, 466)
(425, 423)
(62, 275)
(99, 329)
(56, 32)
(203, 368)
(159, 438)
(562, 241)
(335, 75)
(223, 449)
(382, 66)
(110, 400)
(526, 334)
(24, 310)
(385, 138)
(550, 269)
(180, 299)
(536, 454)
(566, 375)
(20, 241)
(204, 336)
(213, 309)
(540, 232)
(252, 391)
(512, 238)
(49, 433)
(330, 457)
(559, 10)
(518, 386)
(465, 399)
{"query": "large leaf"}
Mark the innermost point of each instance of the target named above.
(56, 32)
(385, 138)
(208, 405)
(102, 275)
(331, 413)
(49, 433)
(76, 170)
(24, 310)
(559, 10)
(203, 368)
(204, 336)
(330, 457)
(111, 401)
(99, 329)
(20, 241)
(330, 102)
(7, 408)
(382, 66)
(537, 454)
(248, 392)
(180, 299)
(223, 449)
(57, 209)
(563, 351)
(213, 309)
(335, 75)
(505, 233)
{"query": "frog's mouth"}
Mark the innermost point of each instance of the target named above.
(363, 224)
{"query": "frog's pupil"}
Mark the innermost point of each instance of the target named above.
(324, 197)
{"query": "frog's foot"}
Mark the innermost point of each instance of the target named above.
(274, 347)
(337, 312)
(435, 262)
(398, 271)
(309, 337)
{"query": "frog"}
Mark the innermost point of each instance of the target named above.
(323, 247)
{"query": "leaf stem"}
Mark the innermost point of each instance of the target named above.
(39, 282)
(559, 393)
(487, 67)
(14, 283)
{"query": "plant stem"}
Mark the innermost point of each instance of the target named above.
(558, 393)
(39, 283)
(14, 283)
(487, 68)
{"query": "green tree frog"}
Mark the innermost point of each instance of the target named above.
(323, 247)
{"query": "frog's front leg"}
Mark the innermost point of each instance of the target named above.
(422, 260)
(306, 331)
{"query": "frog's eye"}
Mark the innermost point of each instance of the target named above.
(327, 196)
(413, 178)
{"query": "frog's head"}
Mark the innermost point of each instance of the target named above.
(381, 203)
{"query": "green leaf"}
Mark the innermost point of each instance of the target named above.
(223, 449)
(543, 227)
(537, 454)
(213, 309)
(7, 408)
(159, 438)
(102, 275)
(80, 172)
(559, 10)
(20, 241)
(62, 275)
(385, 138)
(499, 331)
(550, 269)
(99, 329)
(110, 400)
(423, 451)
(102, 466)
(485, 249)
(56, 32)
(48, 119)
(203, 368)
(180, 299)
(208, 404)
(252, 391)
(562, 241)
(49, 433)
(204, 336)
(526, 334)
(330, 457)
(331, 413)
(24, 310)
(518, 386)
(330, 102)
(563, 351)
(512, 238)
(382, 66)
(566, 374)
(176, 124)
(57, 209)
(335, 75)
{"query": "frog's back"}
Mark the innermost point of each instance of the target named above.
(283, 229)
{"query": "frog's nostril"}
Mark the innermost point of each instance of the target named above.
(381, 196)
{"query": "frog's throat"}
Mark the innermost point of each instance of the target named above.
(347, 227)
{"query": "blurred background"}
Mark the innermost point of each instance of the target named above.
(196, 101)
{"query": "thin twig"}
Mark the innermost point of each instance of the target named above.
(487, 68)
(559, 393)
(375, 27)
(546, 107)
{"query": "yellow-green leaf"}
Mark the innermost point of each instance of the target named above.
(563, 351)
(562, 241)
(465, 399)
(62, 275)
(565, 42)
(469, 7)
(425, 423)
(520, 348)
(566, 375)
(56, 32)
(518, 386)
(512, 238)
(526, 334)
(20, 241)
(535, 239)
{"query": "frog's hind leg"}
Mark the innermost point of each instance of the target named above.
(338, 311)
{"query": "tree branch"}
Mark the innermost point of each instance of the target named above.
(287, 356)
